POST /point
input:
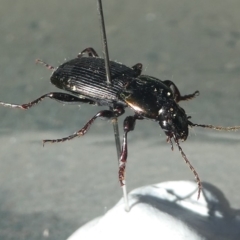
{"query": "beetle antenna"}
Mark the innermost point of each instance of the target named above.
(218, 128)
(45, 64)
(190, 166)
(169, 140)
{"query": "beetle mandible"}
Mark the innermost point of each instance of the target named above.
(149, 98)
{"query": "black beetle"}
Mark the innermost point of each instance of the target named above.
(149, 98)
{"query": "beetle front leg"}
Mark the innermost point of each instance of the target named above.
(59, 96)
(90, 51)
(177, 95)
(108, 114)
(128, 125)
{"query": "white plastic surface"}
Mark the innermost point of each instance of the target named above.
(168, 210)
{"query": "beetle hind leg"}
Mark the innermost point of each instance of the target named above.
(26, 106)
(90, 51)
(45, 64)
(59, 96)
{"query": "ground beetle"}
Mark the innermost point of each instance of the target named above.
(149, 98)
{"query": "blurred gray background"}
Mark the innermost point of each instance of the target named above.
(49, 192)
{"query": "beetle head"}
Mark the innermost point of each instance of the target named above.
(174, 121)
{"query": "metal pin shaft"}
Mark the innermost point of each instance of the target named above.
(109, 81)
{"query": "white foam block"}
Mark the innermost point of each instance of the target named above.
(168, 210)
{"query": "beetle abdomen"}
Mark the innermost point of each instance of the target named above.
(86, 76)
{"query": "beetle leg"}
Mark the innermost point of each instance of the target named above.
(108, 114)
(45, 64)
(137, 68)
(90, 51)
(177, 95)
(128, 125)
(61, 97)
